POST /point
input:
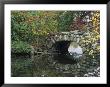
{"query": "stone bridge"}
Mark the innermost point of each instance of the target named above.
(60, 42)
(57, 44)
(67, 36)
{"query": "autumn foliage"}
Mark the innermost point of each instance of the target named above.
(27, 26)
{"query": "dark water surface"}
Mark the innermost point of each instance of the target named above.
(51, 66)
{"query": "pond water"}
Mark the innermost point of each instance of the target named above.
(51, 66)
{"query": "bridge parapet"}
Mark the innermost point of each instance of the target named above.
(68, 36)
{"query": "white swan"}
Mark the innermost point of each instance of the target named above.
(75, 50)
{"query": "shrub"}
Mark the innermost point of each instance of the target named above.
(20, 47)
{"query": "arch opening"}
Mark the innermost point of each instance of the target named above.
(61, 46)
(61, 52)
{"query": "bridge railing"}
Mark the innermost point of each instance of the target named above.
(67, 36)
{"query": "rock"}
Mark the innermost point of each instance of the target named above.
(94, 73)
(66, 67)
(78, 65)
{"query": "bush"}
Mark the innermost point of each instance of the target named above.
(91, 43)
(20, 47)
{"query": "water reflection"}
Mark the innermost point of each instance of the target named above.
(64, 58)
(54, 65)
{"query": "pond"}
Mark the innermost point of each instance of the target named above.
(54, 65)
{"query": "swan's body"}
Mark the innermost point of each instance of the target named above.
(75, 50)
